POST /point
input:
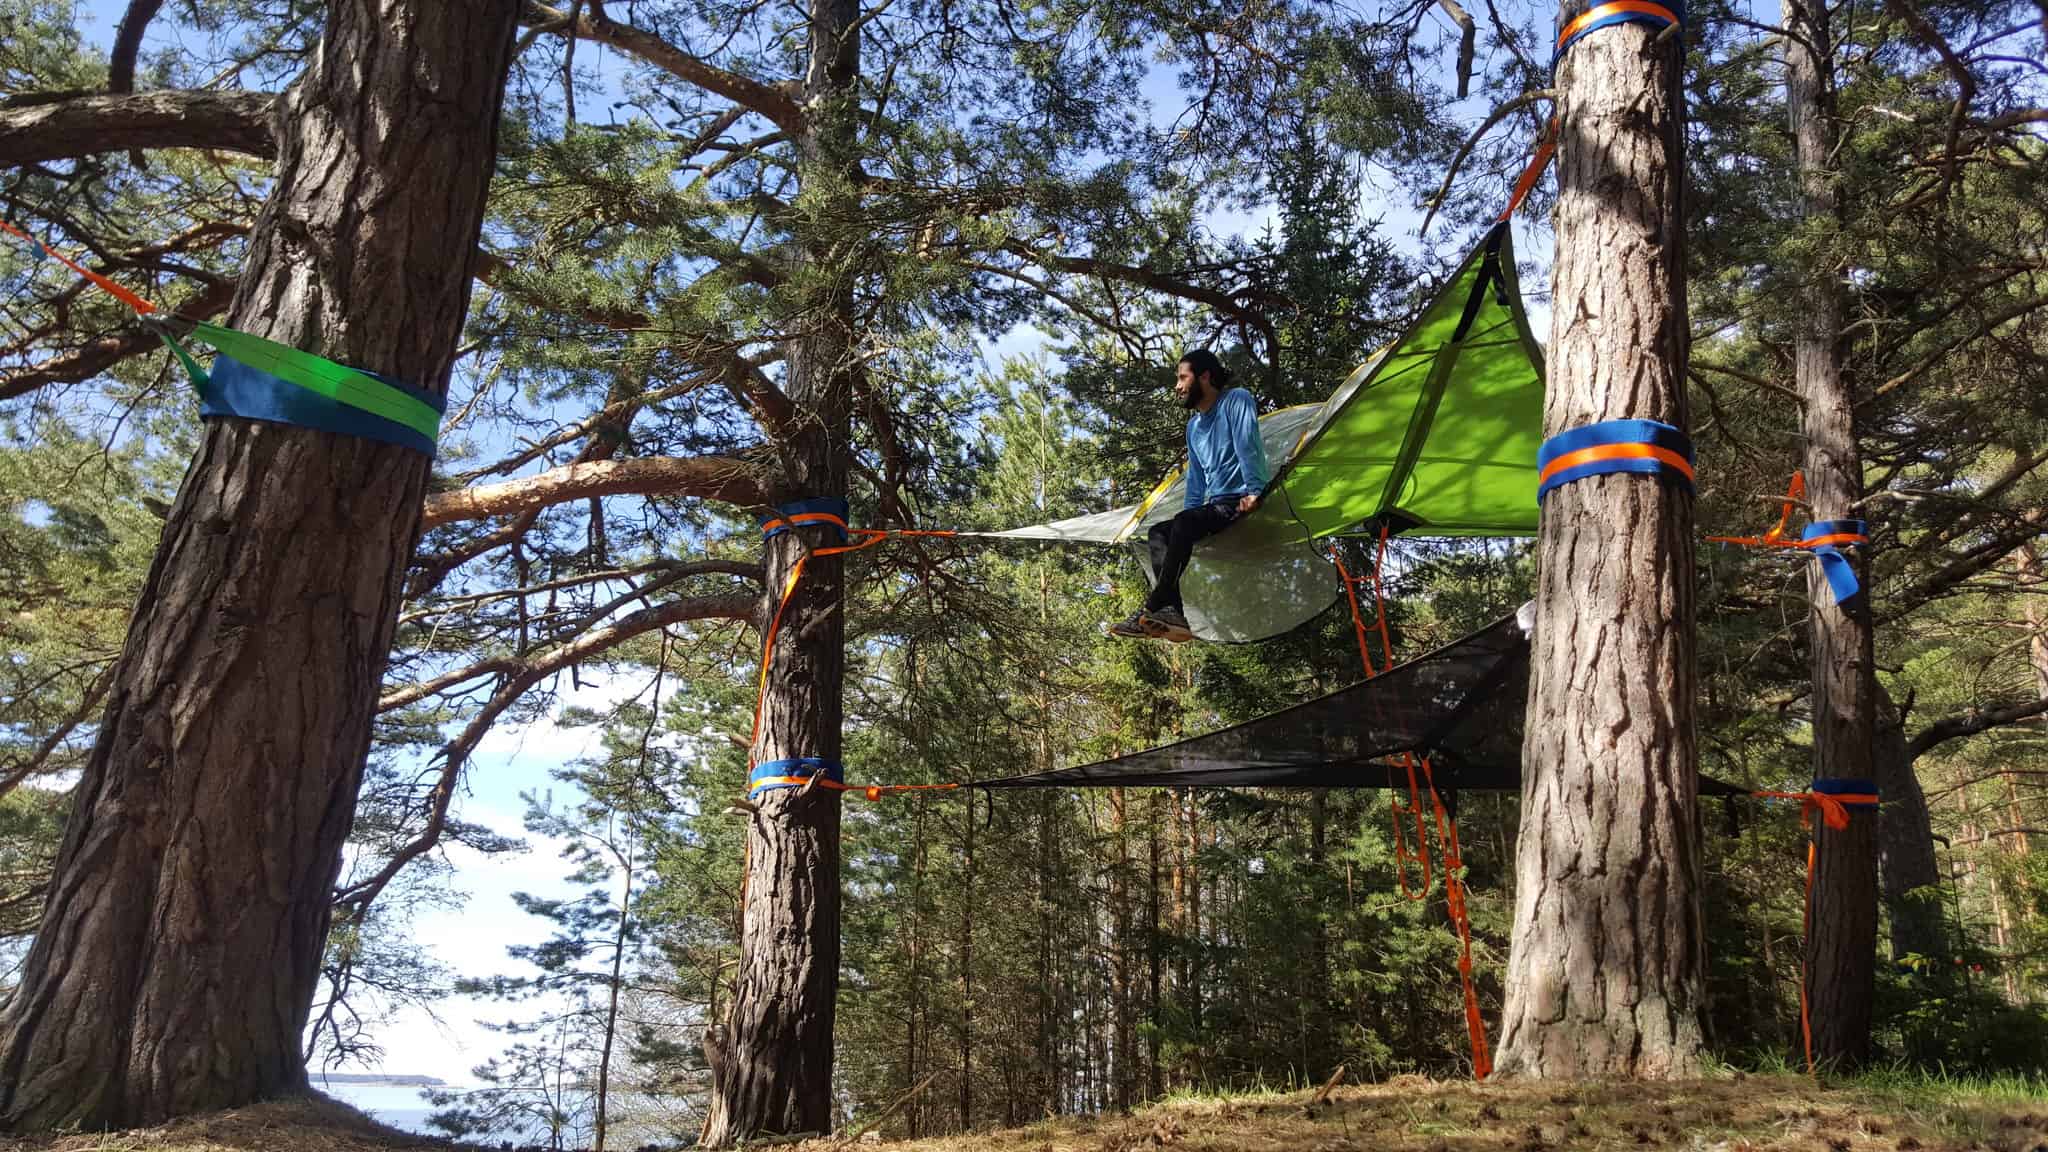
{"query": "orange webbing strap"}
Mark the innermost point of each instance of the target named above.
(1834, 811)
(1413, 808)
(1775, 538)
(869, 538)
(142, 307)
(1454, 895)
(1357, 621)
(1534, 170)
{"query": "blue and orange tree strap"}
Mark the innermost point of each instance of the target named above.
(1824, 540)
(1642, 447)
(805, 772)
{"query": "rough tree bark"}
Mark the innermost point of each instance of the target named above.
(778, 1075)
(176, 960)
(1909, 870)
(1841, 940)
(1605, 975)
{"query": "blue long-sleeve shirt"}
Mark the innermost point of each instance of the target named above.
(1226, 458)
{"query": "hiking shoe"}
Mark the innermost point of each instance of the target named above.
(1131, 627)
(1168, 624)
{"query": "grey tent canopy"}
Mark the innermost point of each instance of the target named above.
(1462, 705)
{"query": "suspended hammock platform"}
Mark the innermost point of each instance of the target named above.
(1461, 705)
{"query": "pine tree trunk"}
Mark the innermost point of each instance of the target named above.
(967, 971)
(1605, 975)
(778, 1079)
(177, 957)
(1841, 941)
(613, 990)
(1909, 869)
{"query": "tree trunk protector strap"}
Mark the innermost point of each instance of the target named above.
(1826, 539)
(1659, 16)
(1646, 447)
(826, 510)
(769, 775)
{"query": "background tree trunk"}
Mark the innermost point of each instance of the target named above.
(778, 1078)
(1911, 873)
(1605, 975)
(177, 957)
(1841, 941)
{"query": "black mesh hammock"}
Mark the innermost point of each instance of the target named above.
(1461, 705)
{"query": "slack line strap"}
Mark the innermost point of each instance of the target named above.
(1827, 538)
(258, 379)
(1646, 447)
(1658, 16)
(772, 774)
(826, 510)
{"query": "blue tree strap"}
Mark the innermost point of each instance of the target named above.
(827, 510)
(769, 775)
(1849, 792)
(1826, 539)
(1607, 15)
(1646, 447)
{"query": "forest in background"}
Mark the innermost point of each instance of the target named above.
(645, 293)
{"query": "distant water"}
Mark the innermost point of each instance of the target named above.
(398, 1105)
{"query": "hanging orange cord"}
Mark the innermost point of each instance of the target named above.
(1775, 538)
(1446, 832)
(1834, 810)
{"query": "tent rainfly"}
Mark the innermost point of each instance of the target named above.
(1435, 436)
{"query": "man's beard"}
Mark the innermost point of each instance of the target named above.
(1193, 399)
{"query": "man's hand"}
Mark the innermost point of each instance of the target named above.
(1246, 503)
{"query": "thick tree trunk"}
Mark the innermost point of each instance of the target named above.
(177, 957)
(1910, 871)
(1605, 975)
(778, 1078)
(1841, 941)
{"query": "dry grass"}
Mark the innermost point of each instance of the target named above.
(313, 1124)
(1410, 1114)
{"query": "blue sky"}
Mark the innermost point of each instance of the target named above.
(514, 759)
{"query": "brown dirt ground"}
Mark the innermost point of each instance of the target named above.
(1409, 1114)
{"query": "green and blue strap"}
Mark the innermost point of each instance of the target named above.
(1642, 447)
(257, 379)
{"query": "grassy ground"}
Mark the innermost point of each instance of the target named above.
(1410, 1114)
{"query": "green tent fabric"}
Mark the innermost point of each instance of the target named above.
(1436, 436)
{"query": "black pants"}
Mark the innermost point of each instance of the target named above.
(1174, 541)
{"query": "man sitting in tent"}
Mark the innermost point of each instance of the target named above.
(1226, 473)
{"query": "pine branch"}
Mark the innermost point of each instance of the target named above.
(128, 44)
(102, 353)
(728, 479)
(774, 101)
(521, 676)
(1969, 724)
(88, 125)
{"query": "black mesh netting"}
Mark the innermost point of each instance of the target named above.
(1461, 704)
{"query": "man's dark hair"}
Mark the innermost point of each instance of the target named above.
(1202, 360)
